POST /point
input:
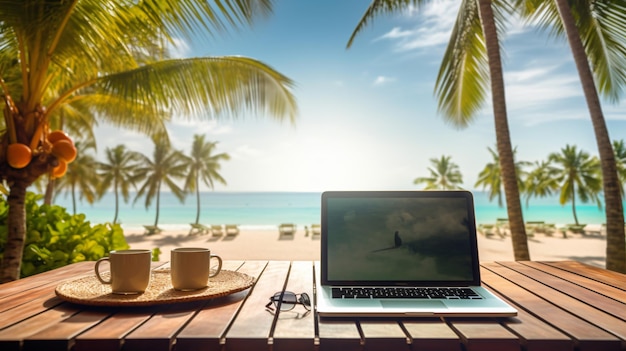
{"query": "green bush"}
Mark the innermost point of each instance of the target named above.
(54, 238)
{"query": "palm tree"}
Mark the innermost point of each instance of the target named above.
(491, 176)
(619, 148)
(203, 165)
(470, 63)
(595, 32)
(118, 173)
(165, 168)
(80, 174)
(579, 177)
(541, 180)
(62, 57)
(444, 175)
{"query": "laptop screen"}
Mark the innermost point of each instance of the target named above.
(416, 238)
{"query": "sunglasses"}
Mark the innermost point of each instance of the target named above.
(287, 300)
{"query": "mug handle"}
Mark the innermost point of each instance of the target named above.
(96, 268)
(219, 266)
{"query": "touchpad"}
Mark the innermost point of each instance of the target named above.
(412, 304)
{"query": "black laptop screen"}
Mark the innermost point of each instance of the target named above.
(399, 238)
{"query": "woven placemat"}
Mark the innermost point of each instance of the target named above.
(89, 290)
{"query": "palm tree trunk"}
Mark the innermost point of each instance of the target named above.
(49, 191)
(615, 241)
(158, 204)
(117, 203)
(197, 201)
(14, 248)
(503, 139)
(574, 205)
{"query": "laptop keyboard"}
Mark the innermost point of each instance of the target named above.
(405, 293)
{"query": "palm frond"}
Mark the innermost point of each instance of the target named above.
(223, 86)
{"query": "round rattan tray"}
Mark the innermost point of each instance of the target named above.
(89, 291)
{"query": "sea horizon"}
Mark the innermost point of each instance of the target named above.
(265, 210)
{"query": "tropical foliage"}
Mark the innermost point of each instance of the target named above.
(166, 167)
(579, 177)
(117, 174)
(56, 238)
(490, 177)
(444, 175)
(203, 165)
(67, 61)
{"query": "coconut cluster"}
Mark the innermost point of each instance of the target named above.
(62, 147)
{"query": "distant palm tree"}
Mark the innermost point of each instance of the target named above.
(579, 177)
(118, 173)
(619, 148)
(541, 180)
(80, 175)
(491, 178)
(444, 175)
(203, 165)
(165, 168)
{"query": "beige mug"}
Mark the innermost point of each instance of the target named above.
(191, 268)
(130, 271)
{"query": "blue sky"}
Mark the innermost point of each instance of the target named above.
(367, 116)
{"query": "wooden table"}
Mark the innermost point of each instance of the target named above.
(562, 306)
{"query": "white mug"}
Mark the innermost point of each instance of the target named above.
(130, 271)
(191, 268)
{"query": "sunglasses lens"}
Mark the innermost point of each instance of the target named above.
(288, 301)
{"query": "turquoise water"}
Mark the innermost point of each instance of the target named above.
(265, 210)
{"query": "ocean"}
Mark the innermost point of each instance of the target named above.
(266, 210)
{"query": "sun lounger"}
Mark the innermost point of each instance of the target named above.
(287, 229)
(231, 229)
(488, 230)
(217, 230)
(316, 229)
(152, 229)
(197, 228)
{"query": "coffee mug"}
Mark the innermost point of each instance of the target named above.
(130, 271)
(191, 268)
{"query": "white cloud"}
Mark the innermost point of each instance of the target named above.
(178, 49)
(381, 80)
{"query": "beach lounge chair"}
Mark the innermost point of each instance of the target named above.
(488, 230)
(316, 229)
(217, 230)
(231, 229)
(152, 229)
(197, 228)
(287, 229)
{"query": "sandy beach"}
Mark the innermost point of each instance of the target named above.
(269, 245)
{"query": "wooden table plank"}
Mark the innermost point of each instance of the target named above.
(536, 335)
(336, 334)
(533, 297)
(383, 335)
(431, 334)
(611, 290)
(207, 329)
(295, 329)
(588, 305)
(60, 336)
(484, 335)
(45, 279)
(109, 334)
(158, 332)
(11, 338)
(600, 295)
(253, 325)
(615, 279)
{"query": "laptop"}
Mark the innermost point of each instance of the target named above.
(401, 253)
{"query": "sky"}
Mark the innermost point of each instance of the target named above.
(367, 116)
